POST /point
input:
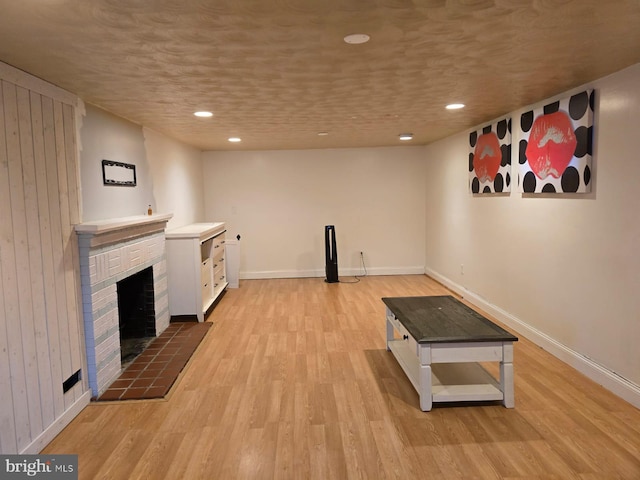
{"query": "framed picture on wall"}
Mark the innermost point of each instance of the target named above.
(118, 173)
(556, 146)
(490, 158)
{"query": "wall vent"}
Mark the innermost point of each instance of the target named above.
(70, 382)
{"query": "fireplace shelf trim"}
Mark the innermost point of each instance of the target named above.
(103, 226)
(103, 233)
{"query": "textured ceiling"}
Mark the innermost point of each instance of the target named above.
(277, 72)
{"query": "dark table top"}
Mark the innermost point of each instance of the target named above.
(442, 319)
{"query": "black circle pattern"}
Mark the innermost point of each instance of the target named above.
(473, 138)
(578, 105)
(551, 108)
(526, 121)
(522, 158)
(475, 185)
(501, 129)
(582, 136)
(586, 176)
(529, 182)
(506, 155)
(570, 180)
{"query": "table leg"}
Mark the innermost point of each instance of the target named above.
(426, 398)
(389, 329)
(506, 376)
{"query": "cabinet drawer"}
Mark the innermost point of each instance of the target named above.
(219, 277)
(218, 244)
(218, 262)
(403, 333)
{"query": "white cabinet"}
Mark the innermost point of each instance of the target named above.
(195, 268)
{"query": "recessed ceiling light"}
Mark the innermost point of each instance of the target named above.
(455, 106)
(203, 114)
(357, 38)
(235, 139)
(323, 134)
(406, 136)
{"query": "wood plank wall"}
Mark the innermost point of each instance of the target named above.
(41, 334)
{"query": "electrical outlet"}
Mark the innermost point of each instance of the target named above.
(461, 269)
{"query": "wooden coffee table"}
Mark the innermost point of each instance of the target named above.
(439, 344)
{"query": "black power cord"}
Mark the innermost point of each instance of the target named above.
(364, 268)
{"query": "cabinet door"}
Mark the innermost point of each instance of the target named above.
(183, 270)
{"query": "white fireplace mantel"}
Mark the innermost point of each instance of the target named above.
(102, 226)
(104, 232)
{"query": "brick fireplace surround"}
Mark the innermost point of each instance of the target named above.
(111, 250)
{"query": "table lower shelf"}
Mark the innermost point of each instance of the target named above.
(450, 382)
(460, 382)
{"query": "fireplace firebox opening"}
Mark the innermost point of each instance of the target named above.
(136, 312)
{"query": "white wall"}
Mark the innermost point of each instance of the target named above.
(169, 173)
(280, 202)
(561, 268)
(107, 137)
(176, 171)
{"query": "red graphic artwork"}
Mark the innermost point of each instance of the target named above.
(552, 143)
(487, 157)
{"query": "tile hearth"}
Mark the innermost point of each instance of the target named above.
(153, 373)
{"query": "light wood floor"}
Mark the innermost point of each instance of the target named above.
(293, 382)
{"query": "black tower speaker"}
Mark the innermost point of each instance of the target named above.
(331, 254)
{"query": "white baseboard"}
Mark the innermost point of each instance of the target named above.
(57, 426)
(347, 272)
(259, 275)
(610, 380)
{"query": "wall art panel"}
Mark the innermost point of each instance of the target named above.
(556, 146)
(490, 158)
